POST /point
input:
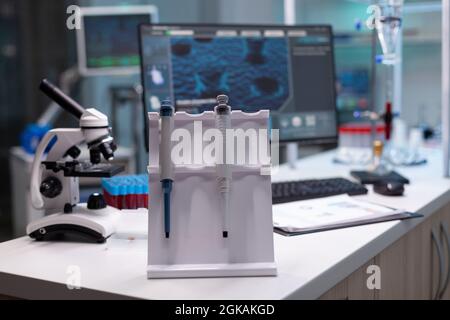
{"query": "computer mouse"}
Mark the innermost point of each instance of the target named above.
(389, 188)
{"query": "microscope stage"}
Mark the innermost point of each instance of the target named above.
(85, 169)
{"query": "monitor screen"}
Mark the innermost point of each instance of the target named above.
(108, 42)
(287, 70)
(111, 41)
(352, 92)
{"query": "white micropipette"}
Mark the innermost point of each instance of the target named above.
(223, 122)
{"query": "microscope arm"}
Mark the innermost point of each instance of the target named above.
(66, 138)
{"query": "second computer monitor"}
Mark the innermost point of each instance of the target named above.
(107, 41)
(287, 70)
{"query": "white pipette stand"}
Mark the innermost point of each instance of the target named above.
(196, 247)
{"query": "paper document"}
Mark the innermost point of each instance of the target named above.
(331, 213)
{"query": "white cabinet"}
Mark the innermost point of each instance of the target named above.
(417, 266)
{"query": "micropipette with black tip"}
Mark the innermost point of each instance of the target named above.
(223, 122)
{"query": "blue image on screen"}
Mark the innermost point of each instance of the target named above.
(253, 72)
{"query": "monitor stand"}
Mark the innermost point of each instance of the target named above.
(123, 96)
(292, 147)
(292, 154)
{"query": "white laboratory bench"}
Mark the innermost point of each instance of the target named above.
(308, 265)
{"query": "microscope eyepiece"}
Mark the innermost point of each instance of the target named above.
(63, 100)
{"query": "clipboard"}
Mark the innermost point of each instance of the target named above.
(321, 206)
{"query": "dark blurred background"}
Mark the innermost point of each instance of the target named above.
(32, 45)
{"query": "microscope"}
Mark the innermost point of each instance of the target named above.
(55, 179)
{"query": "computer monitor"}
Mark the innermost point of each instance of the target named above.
(353, 92)
(288, 70)
(107, 41)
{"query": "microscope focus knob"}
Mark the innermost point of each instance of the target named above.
(96, 201)
(51, 187)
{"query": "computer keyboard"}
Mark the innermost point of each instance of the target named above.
(310, 189)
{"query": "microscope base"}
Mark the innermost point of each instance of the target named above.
(82, 225)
